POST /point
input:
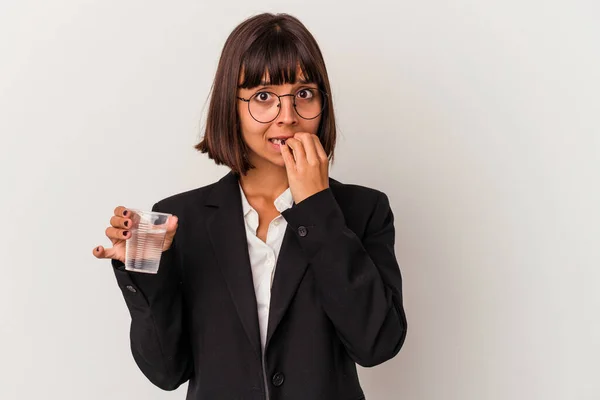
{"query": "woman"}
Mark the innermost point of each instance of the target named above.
(276, 280)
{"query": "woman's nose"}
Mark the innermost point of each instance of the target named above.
(287, 113)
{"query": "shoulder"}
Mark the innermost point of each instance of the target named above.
(177, 203)
(353, 195)
(366, 210)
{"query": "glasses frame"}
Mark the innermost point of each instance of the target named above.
(293, 95)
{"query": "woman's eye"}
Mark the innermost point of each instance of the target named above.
(305, 94)
(263, 96)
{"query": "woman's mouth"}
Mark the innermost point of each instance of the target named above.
(276, 143)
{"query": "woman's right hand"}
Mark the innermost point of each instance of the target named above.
(118, 234)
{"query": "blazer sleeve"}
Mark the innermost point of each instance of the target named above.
(359, 281)
(159, 342)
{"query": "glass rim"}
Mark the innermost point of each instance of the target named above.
(138, 211)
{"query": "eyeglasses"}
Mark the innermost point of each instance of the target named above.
(265, 106)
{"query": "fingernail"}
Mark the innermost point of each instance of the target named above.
(127, 224)
(125, 233)
(125, 213)
(97, 248)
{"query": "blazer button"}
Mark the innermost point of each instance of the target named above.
(278, 379)
(302, 231)
(131, 289)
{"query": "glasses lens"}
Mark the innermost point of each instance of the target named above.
(309, 103)
(264, 106)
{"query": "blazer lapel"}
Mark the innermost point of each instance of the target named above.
(228, 237)
(291, 266)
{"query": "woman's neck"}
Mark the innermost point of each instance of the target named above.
(266, 182)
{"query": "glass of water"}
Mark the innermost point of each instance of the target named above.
(144, 248)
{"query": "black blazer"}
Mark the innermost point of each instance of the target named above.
(336, 298)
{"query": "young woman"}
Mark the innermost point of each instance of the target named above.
(276, 280)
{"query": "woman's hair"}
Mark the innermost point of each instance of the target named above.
(275, 44)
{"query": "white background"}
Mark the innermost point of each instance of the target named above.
(479, 119)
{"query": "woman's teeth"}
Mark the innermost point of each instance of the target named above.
(276, 141)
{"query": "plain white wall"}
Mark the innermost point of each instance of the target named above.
(479, 119)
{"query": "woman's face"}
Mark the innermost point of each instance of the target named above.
(256, 135)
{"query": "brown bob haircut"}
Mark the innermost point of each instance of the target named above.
(273, 44)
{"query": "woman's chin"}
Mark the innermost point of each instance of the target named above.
(273, 160)
(279, 162)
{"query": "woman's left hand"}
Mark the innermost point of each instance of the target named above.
(308, 168)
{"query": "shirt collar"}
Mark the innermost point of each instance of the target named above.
(282, 203)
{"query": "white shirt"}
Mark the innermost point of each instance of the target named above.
(263, 256)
